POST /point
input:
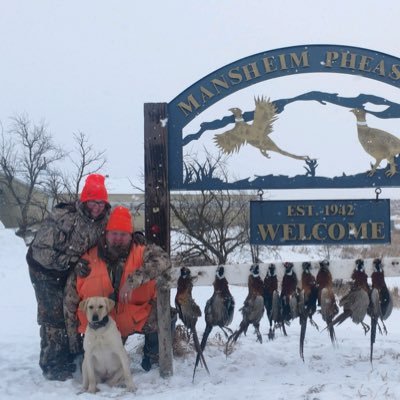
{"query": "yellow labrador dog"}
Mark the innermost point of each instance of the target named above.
(105, 359)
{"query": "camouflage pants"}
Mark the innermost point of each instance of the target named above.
(55, 358)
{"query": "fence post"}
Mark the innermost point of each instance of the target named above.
(157, 215)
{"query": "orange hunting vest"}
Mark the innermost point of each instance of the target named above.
(129, 317)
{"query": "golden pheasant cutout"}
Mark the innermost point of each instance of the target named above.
(255, 134)
(380, 144)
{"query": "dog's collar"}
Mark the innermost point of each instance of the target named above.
(99, 324)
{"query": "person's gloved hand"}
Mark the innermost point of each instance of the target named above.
(82, 268)
(139, 238)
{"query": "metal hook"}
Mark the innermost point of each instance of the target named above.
(378, 191)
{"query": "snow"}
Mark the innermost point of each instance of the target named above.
(272, 369)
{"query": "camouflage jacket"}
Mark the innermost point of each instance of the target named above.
(65, 235)
(156, 265)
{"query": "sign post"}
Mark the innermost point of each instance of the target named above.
(157, 214)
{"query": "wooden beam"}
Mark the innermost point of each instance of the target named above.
(157, 215)
(237, 274)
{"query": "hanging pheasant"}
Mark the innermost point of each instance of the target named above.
(381, 302)
(188, 310)
(255, 134)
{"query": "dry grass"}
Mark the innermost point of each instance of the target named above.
(373, 251)
(396, 297)
(181, 345)
(183, 342)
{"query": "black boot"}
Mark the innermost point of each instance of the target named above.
(150, 350)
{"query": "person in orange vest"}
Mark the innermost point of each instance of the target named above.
(68, 231)
(118, 270)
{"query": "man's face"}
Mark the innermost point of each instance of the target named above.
(118, 242)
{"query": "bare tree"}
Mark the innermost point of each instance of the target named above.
(212, 225)
(138, 208)
(27, 151)
(55, 187)
(85, 160)
(136, 187)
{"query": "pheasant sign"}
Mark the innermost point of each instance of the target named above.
(257, 133)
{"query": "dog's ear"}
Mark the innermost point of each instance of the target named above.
(83, 304)
(110, 305)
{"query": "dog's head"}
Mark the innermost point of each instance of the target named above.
(96, 308)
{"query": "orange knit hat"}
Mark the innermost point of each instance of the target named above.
(94, 189)
(120, 220)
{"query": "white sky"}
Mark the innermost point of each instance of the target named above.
(91, 65)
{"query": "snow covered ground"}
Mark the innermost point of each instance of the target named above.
(271, 370)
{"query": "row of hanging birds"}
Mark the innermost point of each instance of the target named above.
(295, 300)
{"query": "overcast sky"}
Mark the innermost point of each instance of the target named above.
(90, 65)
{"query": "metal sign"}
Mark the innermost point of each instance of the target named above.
(318, 222)
(253, 127)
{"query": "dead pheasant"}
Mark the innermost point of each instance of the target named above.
(326, 297)
(307, 302)
(253, 307)
(381, 303)
(218, 310)
(188, 310)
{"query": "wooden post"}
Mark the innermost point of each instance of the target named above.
(157, 215)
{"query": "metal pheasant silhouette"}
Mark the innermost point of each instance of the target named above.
(379, 144)
(255, 134)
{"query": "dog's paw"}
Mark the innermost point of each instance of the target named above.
(131, 387)
(92, 389)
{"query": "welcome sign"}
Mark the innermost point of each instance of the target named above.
(318, 222)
